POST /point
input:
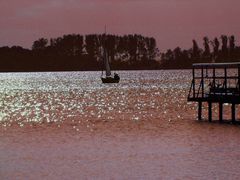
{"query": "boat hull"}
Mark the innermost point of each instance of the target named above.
(110, 80)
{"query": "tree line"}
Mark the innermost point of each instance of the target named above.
(78, 52)
(217, 50)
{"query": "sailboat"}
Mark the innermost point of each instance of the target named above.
(108, 78)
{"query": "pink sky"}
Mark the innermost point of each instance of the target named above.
(172, 22)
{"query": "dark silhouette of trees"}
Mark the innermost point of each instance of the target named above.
(77, 52)
(206, 55)
(92, 46)
(178, 58)
(215, 44)
(12, 58)
(167, 59)
(224, 39)
(132, 48)
(169, 55)
(196, 51)
(206, 52)
(40, 44)
(151, 48)
(134, 51)
(231, 43)
(111, 46)
(177, 53)
(223, 55)
(68, 45)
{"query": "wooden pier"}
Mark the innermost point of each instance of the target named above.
(215, 83)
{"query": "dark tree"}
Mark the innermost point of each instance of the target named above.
(206, 47)
(215, 43)
(224, 39)
(152, 48)
(132, 48)
(231, 43)
(177, 52)
(68, 45)
(122, 49)
(92, 46)
(196, 51)
(40, 44)
(111, 46)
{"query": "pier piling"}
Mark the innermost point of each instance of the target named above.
(220, 111)
(199, 110)
(209, 111)
(233, 113)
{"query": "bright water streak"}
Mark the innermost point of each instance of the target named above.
(46, 97)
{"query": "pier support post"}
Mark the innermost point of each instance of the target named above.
(220, 111)
(200, 110)
(209, 111)
(233, 113)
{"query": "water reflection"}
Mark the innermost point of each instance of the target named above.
(81, 97)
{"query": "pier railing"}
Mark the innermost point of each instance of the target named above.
(209, 80)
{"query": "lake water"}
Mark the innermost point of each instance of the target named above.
(57, 96)
(68, 125)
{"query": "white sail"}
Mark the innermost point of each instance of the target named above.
(106, 62)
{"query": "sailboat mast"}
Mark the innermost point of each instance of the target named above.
(105, 56)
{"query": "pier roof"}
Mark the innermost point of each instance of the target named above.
(217, 65)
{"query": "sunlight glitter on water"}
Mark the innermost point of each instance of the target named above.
(49, 97)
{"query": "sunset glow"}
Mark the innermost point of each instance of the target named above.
(172, 22)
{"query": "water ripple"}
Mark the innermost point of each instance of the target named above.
(81, 97)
